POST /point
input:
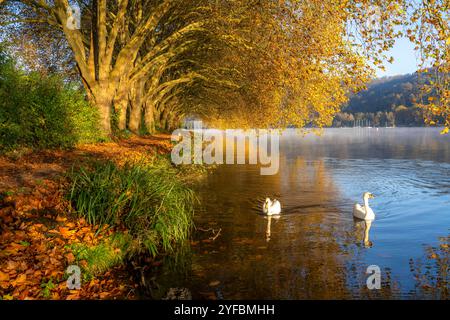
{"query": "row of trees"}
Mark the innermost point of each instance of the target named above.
(147, 63)
(401, 116)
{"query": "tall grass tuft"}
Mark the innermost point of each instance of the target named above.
(148, 201)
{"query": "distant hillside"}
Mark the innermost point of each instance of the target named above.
(388, 101)
(385, 94)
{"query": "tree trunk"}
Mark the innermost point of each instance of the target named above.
(163, 119)
(149, 118)
(137, 93)
(103, 101)
(105, 110)
(170, 123)
(120, 107)
(121, 104)
(135, 118)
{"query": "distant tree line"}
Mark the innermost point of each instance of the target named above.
(401, 116)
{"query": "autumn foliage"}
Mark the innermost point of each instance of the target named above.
(40, 235)
(147, 64)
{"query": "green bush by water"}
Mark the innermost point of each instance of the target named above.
(146, 200)
(41, 111)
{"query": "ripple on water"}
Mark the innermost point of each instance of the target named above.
(315, 248)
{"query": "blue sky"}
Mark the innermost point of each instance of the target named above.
(404, 59)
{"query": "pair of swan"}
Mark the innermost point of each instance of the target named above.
(363, 212)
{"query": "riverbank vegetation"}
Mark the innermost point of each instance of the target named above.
(144, 199)
(98, 206)
(42, 111)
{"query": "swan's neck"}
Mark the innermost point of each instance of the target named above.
(366, 203)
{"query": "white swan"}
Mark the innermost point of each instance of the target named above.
(364, 212)
(271, 207)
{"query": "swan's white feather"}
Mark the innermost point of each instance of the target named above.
(272, 207)
(359, 212)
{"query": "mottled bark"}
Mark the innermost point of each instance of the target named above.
(137, 94)
(149, 117)
(121, 104)
(103, 101)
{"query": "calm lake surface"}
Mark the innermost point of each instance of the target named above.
(316, 250)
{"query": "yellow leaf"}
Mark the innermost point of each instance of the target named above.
(20, 280)
(445, 130)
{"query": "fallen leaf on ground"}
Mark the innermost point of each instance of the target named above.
(214, 283)
(4, 276)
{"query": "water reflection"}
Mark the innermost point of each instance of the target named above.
(269, 226)
(293, 264)
(316, 250)
(363, 232)
(432, 272)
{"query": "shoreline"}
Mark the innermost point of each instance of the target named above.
(39, 232)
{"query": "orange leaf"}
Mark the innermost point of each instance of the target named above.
(104, 295)
(73, 296)
(66, 232)
(11, 265)
(20, 280)
(4, 276)
(70, 257)
(60, 219)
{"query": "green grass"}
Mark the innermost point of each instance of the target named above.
(47, 288)
(147, 200)
(102, 257)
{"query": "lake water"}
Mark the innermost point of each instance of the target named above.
(316, 250)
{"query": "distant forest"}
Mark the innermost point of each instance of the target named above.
(388, 101)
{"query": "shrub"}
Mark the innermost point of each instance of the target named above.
(146, 200)
(42, 111)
